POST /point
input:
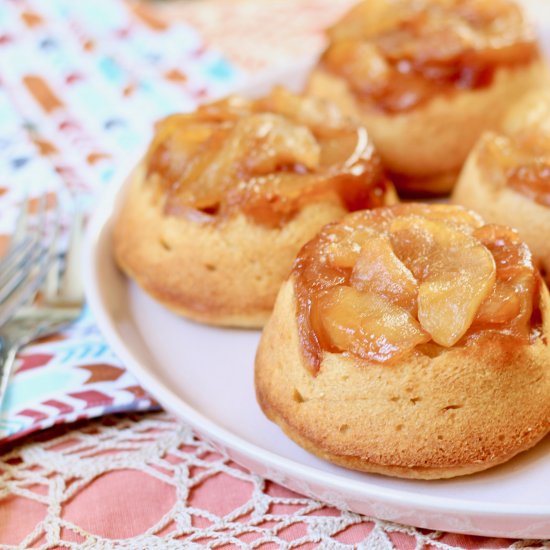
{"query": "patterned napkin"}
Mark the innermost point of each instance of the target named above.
(81, 84)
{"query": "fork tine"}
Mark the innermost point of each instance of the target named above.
(71, 289)
(19, 239)
(27, 289)
(25, 246)
(32, 269)
(15, 255)
(50, 287)
(22, 221)
(19, 270)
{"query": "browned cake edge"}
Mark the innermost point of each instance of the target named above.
(498, 203)
(464, 411)
(428, 145)
(225, 273)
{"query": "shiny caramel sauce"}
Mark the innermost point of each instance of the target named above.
(520, 161)
(526, 144)
(509, 307)
(411, 278)
(266, 159)
(399, 54)
(532, 180)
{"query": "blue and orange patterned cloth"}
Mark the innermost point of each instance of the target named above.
(81, 85)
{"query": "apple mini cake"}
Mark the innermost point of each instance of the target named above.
(225, 197)
(410, 341)
(507, 175)
(427, 77)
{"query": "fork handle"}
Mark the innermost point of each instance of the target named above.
(8, 353)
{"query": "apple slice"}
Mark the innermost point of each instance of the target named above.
(323, 118)
(456, 273)
(380, 271)
(501, 306)
(255, 145)
(512, 298)
(177, 140)
(367, 325)
(462, 218)
(344, 244)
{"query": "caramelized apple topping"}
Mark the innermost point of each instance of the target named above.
(400, 53)
(455, 273)
(265, 158)
(520, 157)
(382, 282)
(379, 270)
(367, 325)
(532, 180)
(509, 305)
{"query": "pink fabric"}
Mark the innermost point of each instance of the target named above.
(120, 504)
(125, 503)
(152, 464)
(18, 516)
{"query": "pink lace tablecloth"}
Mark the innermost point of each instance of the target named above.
(81, 84)
(145, 482)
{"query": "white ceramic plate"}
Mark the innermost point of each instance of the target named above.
(205, 376)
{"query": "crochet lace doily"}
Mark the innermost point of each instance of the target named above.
(54, 471)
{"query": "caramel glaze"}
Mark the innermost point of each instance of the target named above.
(441, 48)
(517, 321)
(521, 161)
(268, 181)
(532, 180)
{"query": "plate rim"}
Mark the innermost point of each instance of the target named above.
(99, 222)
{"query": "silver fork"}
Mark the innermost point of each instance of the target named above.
(25, 264)
(28, 267)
